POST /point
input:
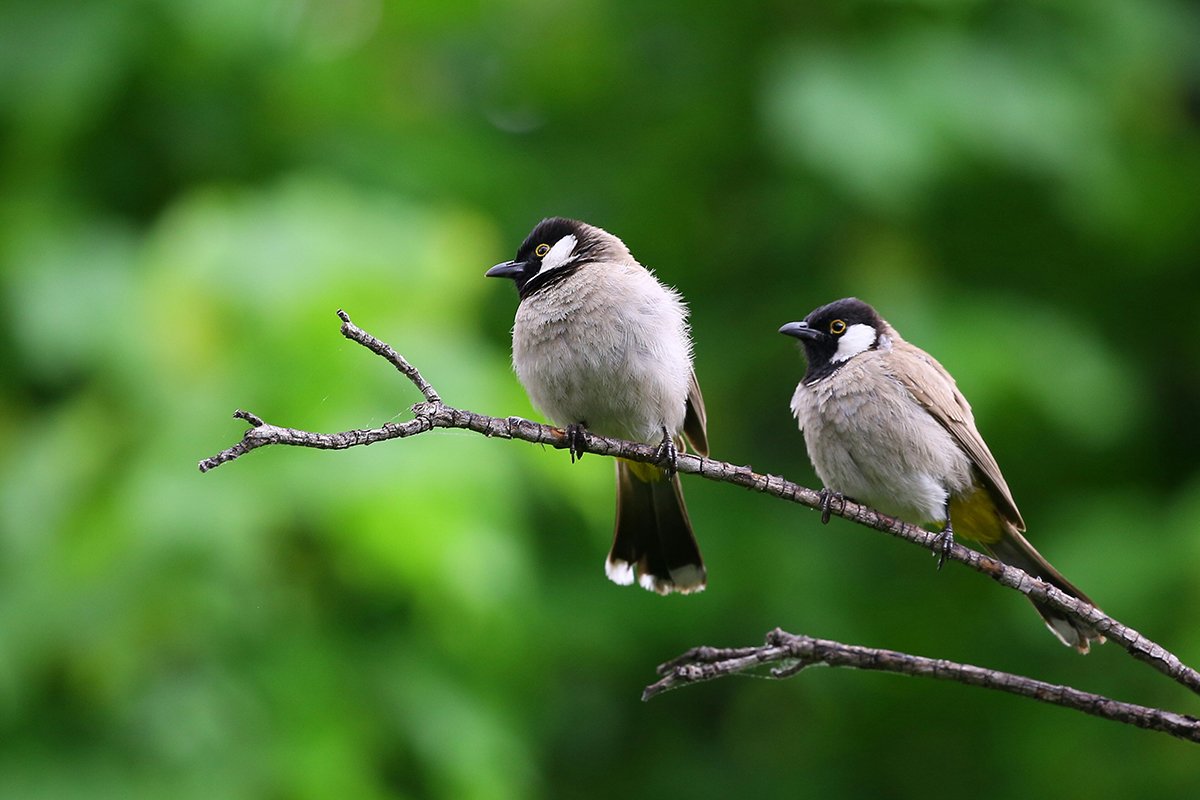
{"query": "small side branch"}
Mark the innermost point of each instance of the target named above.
(792, 653)
(260, 434)
(357, 334)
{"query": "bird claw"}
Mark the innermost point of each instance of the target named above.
(827, 498)
(667, 455)
(943, 543)
(576, 437)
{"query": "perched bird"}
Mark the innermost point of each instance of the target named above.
(885, 424)
(600, 344)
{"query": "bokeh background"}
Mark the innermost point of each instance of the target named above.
(191, 189)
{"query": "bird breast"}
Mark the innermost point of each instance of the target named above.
(607, 346)
(870, 439)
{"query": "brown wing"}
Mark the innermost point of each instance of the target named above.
(934, 388)
(695, 423)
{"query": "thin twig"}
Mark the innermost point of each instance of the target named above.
(795, 653)
(357, 334)
(434, 414)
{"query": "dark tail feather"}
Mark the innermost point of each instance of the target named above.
(1014, 549)
(653, 540)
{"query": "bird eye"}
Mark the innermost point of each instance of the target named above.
(541, 250)
(837, 327)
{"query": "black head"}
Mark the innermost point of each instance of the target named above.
(554, 249)
(836, 333)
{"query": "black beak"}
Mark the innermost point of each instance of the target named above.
(800, 330)
(509, 269)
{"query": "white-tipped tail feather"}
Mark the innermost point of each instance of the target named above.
(618, 571)
(688, 579)
(685, 580)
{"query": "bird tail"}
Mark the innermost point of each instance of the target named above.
(653, 540)
(1012, 548)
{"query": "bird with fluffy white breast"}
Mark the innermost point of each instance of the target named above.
(601, 345)
(885, 424)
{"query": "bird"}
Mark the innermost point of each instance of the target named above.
(885, 424)
(601, 345)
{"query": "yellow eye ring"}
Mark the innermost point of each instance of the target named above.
(541, 250)
(837, 327)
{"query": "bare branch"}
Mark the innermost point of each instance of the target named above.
(261, 434)
(795, 653)
(433, 413)
(357, 334)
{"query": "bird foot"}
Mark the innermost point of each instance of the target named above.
(943, 543)
(576, 437)
(667, 455)
(827, 498)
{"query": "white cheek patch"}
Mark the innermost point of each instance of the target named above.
(559, 254)
(857, 339)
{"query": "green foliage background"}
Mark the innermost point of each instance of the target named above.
(190, 189)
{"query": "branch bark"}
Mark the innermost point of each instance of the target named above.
(795, 653)
(433, 413)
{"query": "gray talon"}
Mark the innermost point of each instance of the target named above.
(576, 437)
(827, 498)
(943, 543)
(667, 455)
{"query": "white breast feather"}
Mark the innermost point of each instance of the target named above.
(868, 438)
(608, 346)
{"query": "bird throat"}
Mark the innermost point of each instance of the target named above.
(544, 280)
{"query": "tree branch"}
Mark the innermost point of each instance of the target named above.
(433, 413)
(796, 653)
